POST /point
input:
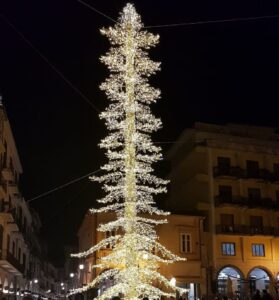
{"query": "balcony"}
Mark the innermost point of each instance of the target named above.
(246, 230)
(238, 172)
(234, 200)
(12, 265)
(227, 171)
(15, 262)
(274, 176)
(266, 203)
(263, 174)
(7, 173)
(13, 188)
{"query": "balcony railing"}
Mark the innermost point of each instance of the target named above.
(227, 171)
(246, 230)
(245, 173)
(245, 201)
(274, 176)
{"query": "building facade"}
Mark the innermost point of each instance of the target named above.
(22, 263)
(182, 235)
(230, 174)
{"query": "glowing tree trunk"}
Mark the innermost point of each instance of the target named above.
(129, 183)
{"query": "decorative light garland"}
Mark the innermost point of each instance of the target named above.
(129, 184)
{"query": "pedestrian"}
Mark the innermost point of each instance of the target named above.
(266, 295)
(257, 295)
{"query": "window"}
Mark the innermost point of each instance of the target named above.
(8, 243)
(276, 168)
(19, 254)
(206, 224)
(13, 249)
(5, 155)
(185, 243)
(258, 250)
(110, 234)
(24, 225)
(10, 202)
(252, 168)
(24, 260)
(224, 163)
(227, 222)
(225, 192)
(228, 249)
(256, 223)
(254, 194)
(1, 238)
(11, 165)
(16, 177)
(20, 215)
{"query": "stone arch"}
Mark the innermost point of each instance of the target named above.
(229, 280)
(233, 267)
(260, 278)
(265, 269)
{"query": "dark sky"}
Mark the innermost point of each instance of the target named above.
(225, 72)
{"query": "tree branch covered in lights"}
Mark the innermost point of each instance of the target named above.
(129, 183)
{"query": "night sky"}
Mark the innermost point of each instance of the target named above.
(218, 73)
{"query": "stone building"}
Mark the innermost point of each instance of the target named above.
(230, 174)
(21, 259)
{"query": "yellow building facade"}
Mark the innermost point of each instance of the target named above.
(182, 235)
(230, 174)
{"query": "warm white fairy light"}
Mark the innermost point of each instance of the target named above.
(129, 183)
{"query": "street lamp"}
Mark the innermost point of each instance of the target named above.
(173, 281)
(81, 273)
(36, 280)
(72, 275)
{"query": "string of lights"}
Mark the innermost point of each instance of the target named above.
(129, 182)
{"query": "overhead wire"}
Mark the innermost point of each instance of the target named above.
(73, 198)
(214, 21)
(84, 176)
(186, 23)
(62, 186)
(97, 11)
(30, 44)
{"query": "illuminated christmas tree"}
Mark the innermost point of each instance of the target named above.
(129, 183)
